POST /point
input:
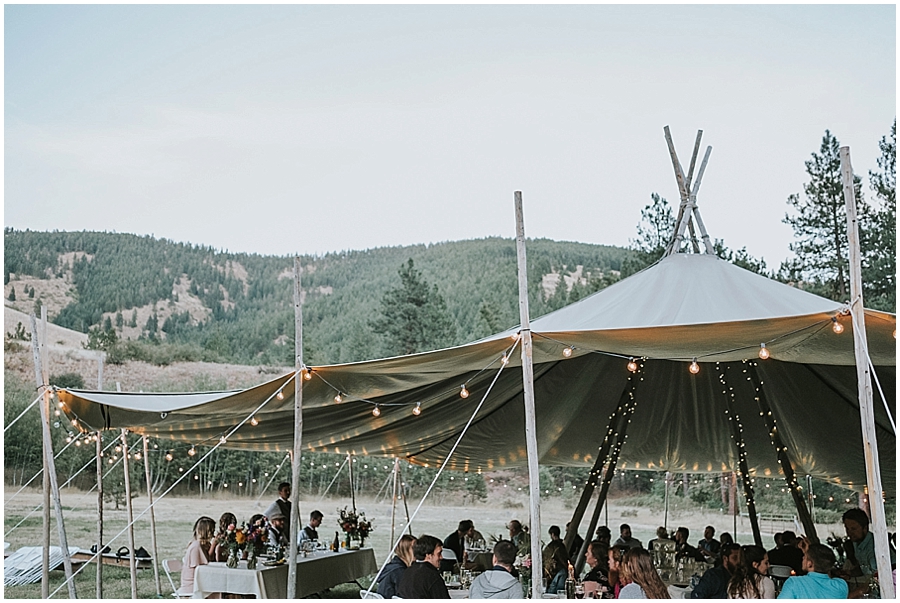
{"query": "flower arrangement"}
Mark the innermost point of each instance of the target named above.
(354, 525)
(522, 566)
(232, 541)
(255, 536)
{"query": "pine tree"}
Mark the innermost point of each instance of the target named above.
(119, 320)
(133, 322)
(820, 222)
(12, 294)
(655, 230)
(880, 263)
(413, 316)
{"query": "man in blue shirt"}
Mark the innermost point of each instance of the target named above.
(816, 584)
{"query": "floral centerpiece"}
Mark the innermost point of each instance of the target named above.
(233, 541)
(522, 566)
(255, 536)
(354, 525)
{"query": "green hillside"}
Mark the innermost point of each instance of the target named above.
(241, 307)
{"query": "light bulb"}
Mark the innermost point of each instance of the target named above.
(338, 398)
(280, 395)
(763, 351)
(78, 442)
(137, 456)
(169, 456)
(254, 421)
(118, 449)
(463, 392)
(74, 423)
(567, 352)
(308, 374)
(418, 409)
(694, 368)
(504, 361)
(632, 366)
(836, 326)
(376, 411)
(222, 440)
(61, 405)
(192, 451)
(56, 412)
(514, 336)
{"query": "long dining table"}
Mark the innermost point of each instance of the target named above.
(319, 571)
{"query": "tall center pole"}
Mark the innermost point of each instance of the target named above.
(864, 385)
(352, 490)
(528, 385)
(298, 431)
(99, 576)
(152, 516)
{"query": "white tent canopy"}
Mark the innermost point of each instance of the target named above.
(683, 307)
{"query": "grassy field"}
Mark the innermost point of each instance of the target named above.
(175, 517)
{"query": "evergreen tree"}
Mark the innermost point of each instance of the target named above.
(31, 293)
(120, 321)
(820, 223)
(413, 316)
(133, 322)
(655, 230)
(12, 294)
(880, 263)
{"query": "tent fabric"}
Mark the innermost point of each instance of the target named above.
(683, 307)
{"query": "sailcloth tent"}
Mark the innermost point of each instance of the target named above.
(685, 308)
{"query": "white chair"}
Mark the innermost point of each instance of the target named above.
(448, 554)
(173, 566)
(780, 571)
(364, 595)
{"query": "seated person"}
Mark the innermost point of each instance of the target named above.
(393, 571)
(422, 580)
(456, 542)
(788, 553)
(556, 561)
(818, 561)
(498, 582)
(682, 549)
(625, 538)
(577, 541)
(864, 564)
(518, 536)
(709, 546)
(310, 532)
(604, 535)
(597, 578)
(197, 552)
(277, 535)
(714, 583)
(662, 538)
(217, 549)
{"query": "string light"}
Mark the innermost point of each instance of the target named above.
(505, 360)
(376, 411)
(567, 352)
(632, 366)
(694, 368)
(118, 449)
(78, 442)
(836, 326)
(192, 451)
(254, 421)
(763, 351)
(338, 398)
(74, 423)
(280, 394)
(308, 374)
(137, 456)
(56, 412)
(223, 440)
(463, 392)
(169, 456)
(418, 409)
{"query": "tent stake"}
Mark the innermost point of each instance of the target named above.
(132, 563)
(152, 517)
(864, 386)
(51, 485)
(537, 586)
(781, 450)
(298, 430)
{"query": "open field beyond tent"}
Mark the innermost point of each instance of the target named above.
(175, 517)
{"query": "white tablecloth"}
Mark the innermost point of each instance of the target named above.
(314, 574)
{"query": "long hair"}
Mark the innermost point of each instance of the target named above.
(744, 583)
(638, 568)
(226, 520)
(204, 530)
(404, 549)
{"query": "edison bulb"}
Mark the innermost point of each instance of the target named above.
(694, 368)
(836, 326)
(632, 366)
(192, 451)
(254, 421)
(505, 360)
(169, 456)
(567, 352)
(280, 395)
(763, 351)
(463, 392)
(338, 398)
(376, 412)
(222, 440)
(418, 409)
(307, 375)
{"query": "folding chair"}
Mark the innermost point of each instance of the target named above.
(173, 566)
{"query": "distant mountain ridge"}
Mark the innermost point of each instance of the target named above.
(237, 307)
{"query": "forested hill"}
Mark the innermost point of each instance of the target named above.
(137, 292)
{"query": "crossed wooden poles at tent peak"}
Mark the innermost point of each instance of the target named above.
(688, 188)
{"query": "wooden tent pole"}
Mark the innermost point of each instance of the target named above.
(298, 430)
(152, 516)
(864, 386)
(394, 498)
(781, 450)
(537, 586)
(129, 509)
(352, 491)
(405, 503)
(666, 503)
(52, 488)
(39, 379)
(594, 476)
(693, 203)
(99, 515)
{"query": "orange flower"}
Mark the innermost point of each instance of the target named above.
(240, 537)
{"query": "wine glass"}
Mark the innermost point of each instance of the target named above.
(579, 590)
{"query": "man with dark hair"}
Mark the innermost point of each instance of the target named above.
(422, 580)
(714, 583)
(498, 582)
(709, 546)
(456, 542)
(682, 548)
(788, 554)
(856, 525)
(556, 561)
(282, 504)
(604, 535)
(517, 535)
(625, 538)
(816, 584)
(310, 532)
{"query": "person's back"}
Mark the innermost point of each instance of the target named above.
(393, 572)
(818, 561)
(714, 583)
(496, 584)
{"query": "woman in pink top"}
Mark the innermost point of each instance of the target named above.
(197, 552)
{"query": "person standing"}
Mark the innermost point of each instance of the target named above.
(282, 504)
(422, 580)
(498, 582)
(818, 561)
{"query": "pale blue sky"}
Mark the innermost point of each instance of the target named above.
(285, 129)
